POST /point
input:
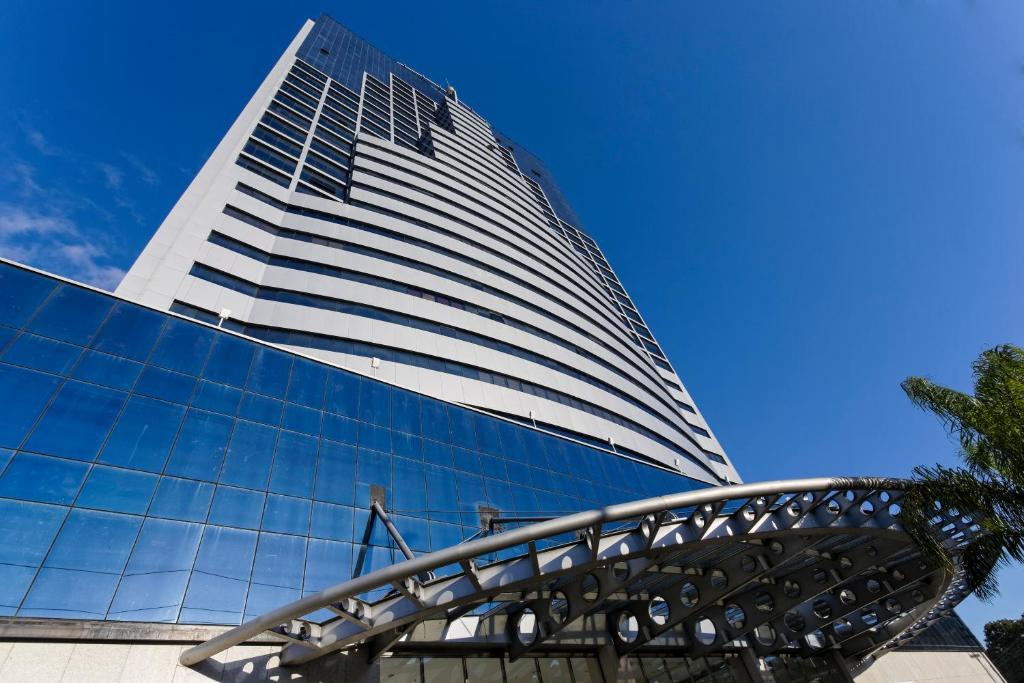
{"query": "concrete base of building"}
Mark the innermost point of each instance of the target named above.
(920, 666)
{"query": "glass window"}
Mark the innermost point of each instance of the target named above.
(117, 490)
(407, 445)
(487, 432)
(299, 419)
(157, 572)
(47, 480)
(327, 563)
(409, 493)
(342, 393)
(335, 473)
(338, 428)
(260, 409)
(374, 437)
(472, 496)
(40, 353)
(77, 422)
(407, 670)
(438, 453)
(414, 532)
(372, 469)
(308, 383)
(375, 403)
(444, 670)
(405, 409)
(295, 465)
(240, 508)
(219, 398)
(199, 450)
(493, 467)
(286, 515)
(110, 371)
(463, 428)
(434, 415)
(444, 498)
(229, 361)
(269, 372)
(444, 535)
(279, 561)
(130, 331)
(249, 456)
(143, 435)
(33, 390)
(331, 521)
(468, 461)
(170, 386)
(26, 531)
(182, 499)
(72, 314)
(83, 568)
(21, 293)
(182, 347)
(220, 580)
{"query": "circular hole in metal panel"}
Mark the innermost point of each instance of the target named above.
(627, 627)
(776, 548)
(850, 496)
(718, 579)
(620, 571)
(893, 605)
(820, 576)
(657, 609)
(847, 596)
(895, 509)
(833, 507)
(808, 497)
(873, 586)
(845, 562)
(822, 609)
(763, 602)
(558, 607)
(704, 631)
(871, 551)
(735, 616)
(590, 588)
(869, 618)
(688, 595)
(748, 564)
(884, 496)
(765, 634)
(867, 507)
(917, 596)
(897, 575)
(815, 639)
(794, 509)
(791, 588)
(526, 627)
(842, 627)
(795, 622)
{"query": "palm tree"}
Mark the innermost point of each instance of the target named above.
(990, 486)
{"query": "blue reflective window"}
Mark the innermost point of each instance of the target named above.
(249, 456)
(117, 490)
(511, 442)
(472, 495)
(331, 521)
(183, 346)
(143, 435)
(342, 393)
(405, 411)
(372, 469)
(5, 457)
(375, 403)
(493, 467)
(468, 461)
(260, 409)
(463, 428)
(6, 335)
(374, 437)
(438, 453)
(338, 428)
(83, 568)
(157, 572)
(21, 293)
(130, 331)
(47, 480)
(414, 532)
(276, 573)
(269, 372)
(444, 535)
(110, 371)
(220, 580)
(407, 445)
(370, 529)
(487, 432)
(299, 419)
(170, 386)
(434, 416)
(219, 398)
(286, 515)
(409, 493)
(40, 353)
(240, 508)
(308, 383)
(199, 451)
(33, 390)
(444, 497)
(26, 531)
(182, 499)
(229, 361)
(335, 473)
(327, 563)
(72, 314)
(77, 422)
(295, 465)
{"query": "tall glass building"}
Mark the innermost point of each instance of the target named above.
(371, 405)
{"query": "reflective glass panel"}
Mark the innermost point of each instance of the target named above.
(40, 353)
(182, 347)
(43, 479)
(110, 371)
(216, 594)
(250, 455)
(33, 390)
(71, 314)
(77, 422)
(182, 499)
(199, 450)
(117, 490)
(143, 435)
(130, 331)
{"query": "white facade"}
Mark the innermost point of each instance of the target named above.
(422, 254)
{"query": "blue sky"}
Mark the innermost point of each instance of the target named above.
(809, 201)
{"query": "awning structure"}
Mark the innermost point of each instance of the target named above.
(797, 567)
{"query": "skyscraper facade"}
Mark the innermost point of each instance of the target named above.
(372, 406)
(365, 215)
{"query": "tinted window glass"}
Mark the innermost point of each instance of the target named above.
(249, 455)
(32, 351)
(229, 361)
(269, 372)
(308, 383)
(143, 435)
(294, 465)
(117, 490)
(47, 480)
(199, 450)
(335, 473)
(182, 347)
(129, 331)
(216, 593)
(286, 515)
(77, 422)
(33, 390)
(72, 314)
(110, 371)
(260, 409)
(342, 393)
(219, 398)
(170, 386)
(26, 531)
(237, 507)
(182, 499)
(21, 293)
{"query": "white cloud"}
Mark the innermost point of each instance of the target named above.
(52, 241)
(39, 141)
(113, 177)
(146, 174)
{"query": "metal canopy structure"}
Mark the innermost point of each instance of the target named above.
(784, 567)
